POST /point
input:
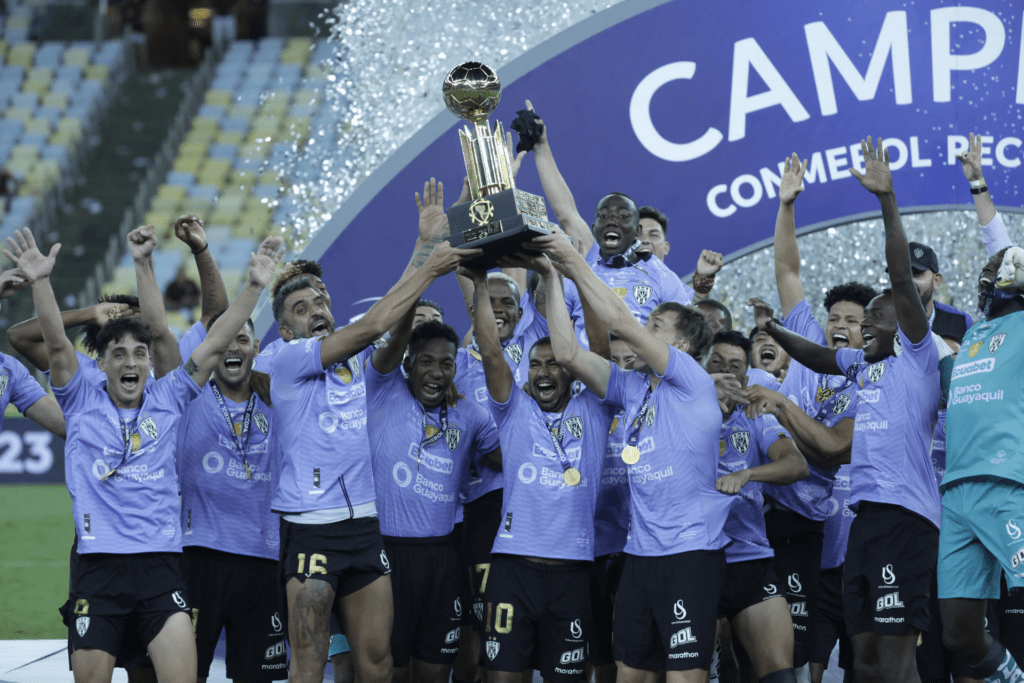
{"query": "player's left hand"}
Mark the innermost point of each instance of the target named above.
(265, 260)
(709, 263)
(731, 484)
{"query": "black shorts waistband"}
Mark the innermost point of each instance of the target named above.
(213, 554)
(556, 565)
(420, 540)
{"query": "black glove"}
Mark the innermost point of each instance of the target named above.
(529, 127)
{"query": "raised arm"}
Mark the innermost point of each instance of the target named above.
(35, 268)
(189, 229)
(558, 194)
(383, 315)
(827, 446)
(786, 466)
(166, 355)
(27, 336)
(611, 310)
(588, 366)
(877, 179)
(993, 231)
(787, 253)
(204, 359)
(497, 374)
(814, 356)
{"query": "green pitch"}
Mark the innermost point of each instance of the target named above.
(36, 531)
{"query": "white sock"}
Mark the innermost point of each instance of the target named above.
(803, 673)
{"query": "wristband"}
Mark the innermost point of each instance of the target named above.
(978, 183)
(197, 253)
(703, 285)
(979, 190)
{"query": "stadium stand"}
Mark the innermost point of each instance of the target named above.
(264, 98)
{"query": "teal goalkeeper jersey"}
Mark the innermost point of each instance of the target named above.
(985, 420)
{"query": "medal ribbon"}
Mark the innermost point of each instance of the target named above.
(555, 433)
(831, 400)
(427, 440)
(241, 440)
(126, 433)
(638, 423)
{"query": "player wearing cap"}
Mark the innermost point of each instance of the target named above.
(537, 614)
(753, 450)
(894, 538)
(120, 454)
(945, 320)
(667, 602)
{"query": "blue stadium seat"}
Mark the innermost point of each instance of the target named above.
(204, 192)
(222, 151)
(180, 178)
(211, 110)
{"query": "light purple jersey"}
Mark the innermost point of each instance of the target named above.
(642, 285)
(470, 380)
(191, 340)
(744, 443)
(826, 398)
(221, 507)
(17, 386)
(136, 509)
(321, 418)
(896, 417)
(541, 516)
(612, 520)
(264, 360)
(674, 507)
(417, 482)
(762, 378)
(837, 525)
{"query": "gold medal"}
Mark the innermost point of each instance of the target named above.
(109, 473)
(824, 393)
(631, 455)
(571, 476)
(475, 354)
(136, 441)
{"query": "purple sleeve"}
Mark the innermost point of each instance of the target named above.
(26, 389)
(685, 375)
(379, 387)
(191, 340)
(78, 394)
(769, 431)
(298, 360)
(675, 290)
(618, 392)
(486, 439)
(176, 387)
(802, 322)
(847, 358)
(923, 356)
(502, 411)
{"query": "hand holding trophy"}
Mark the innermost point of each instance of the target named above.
(499, 217)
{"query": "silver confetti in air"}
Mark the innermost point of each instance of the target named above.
(856, 251)
(383, 84)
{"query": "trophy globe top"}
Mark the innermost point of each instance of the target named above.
(472, 91)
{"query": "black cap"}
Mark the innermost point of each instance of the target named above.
(922, 257)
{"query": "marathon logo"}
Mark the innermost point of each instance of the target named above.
(974, 368)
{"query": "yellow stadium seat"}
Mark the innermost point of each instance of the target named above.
(22, 113)
(97, 72)
(193, 149)
(124, 274)
(195, 207)
(63, 138)
(266, 126)
(295, 56)
(39, 73)
(201, 136)
(77, 55)
(171, 191)
(21, 54)
(242, 111)
(315, 72)
(241, 180)
(114, 287)
(299, 43)
(271, 177)
(187, 164)
(160, 219)
(25, 151)
(308, 96)
(295, 128)
(3, 49)
(222, 217)
(233, 138)
(165, 204)
(38, 126)
(203, 123)
(57, 100)
(37, 86)
(219, 98)
(242, 230)
(71, 125)
(254, 151)
(255, 205)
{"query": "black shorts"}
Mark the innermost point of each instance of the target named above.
(238, 594)
(797, 543)
(829, 625)
(107, 590)
(747, 584)
(666, 610)
(934, 662)
(133, 651)
(887, 578)
(537, 617)
(428, 608)
(480, 522)
(349, 554)
(1011, 621)
(604, 582)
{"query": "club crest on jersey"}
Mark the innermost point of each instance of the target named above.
(452, 438)
(515, 352)
(615, 424)
(975, 347)
(148, 427)
(842, 403)
(993, 345)
(4, 379)
(492, 649)
(575, 426)
(82, 625)
(478, 610)
(740, 441)
(642, 293)
(876, 371)
(262, 423)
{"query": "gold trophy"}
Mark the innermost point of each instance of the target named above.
(499, 217)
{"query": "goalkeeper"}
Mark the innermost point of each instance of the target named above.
(983, 488)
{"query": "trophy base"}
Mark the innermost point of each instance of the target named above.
(498, 224)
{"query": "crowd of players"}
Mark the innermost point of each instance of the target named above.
(621, 487)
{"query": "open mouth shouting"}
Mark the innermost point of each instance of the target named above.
(319, 326)
(432, 392)
(130, 381)
(232, 364)
(612, 238)
(869, 342)
(768, 355)
(545, 390)
(840, 341)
